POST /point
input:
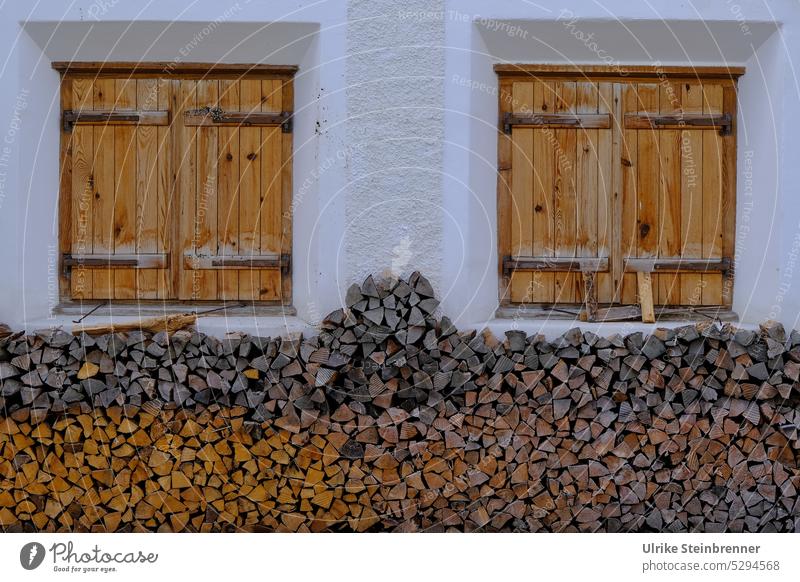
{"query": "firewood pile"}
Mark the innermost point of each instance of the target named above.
(390, 419)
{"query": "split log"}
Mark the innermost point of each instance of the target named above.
(168, 323)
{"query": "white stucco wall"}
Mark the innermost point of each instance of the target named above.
(395, 135)
(395, 105)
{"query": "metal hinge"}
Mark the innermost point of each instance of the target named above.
(218, 116)
(69, 118)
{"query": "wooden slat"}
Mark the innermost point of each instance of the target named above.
(623, 72)
(166, 188)
(186, 152)
(712, 195)
(228, 191)
(145, 261)
(249, 189)
(676, 265)
(147, 189)
(579, 120)
(125, 203)
(630, 211)
(669, 202)
(645, 287)
(604, 283)
(270, 207)
(287, 101)
(587, 191)
(556, 264)
(104, 180)
(691, 194)
(522, 191)
(205, 235)
(65, 202)
(544, 95)
(504, 198)
(171, 69)
(729, 192)
(617, 216)
(564, 183)
(82, 192)
(647, 176)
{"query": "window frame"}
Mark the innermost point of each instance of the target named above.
(508, 73)
(172, 71)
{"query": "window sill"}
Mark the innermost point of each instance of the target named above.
(155, 308)
(254, 319)
(553, 325)
(572, 313)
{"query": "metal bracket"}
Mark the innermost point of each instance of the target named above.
(554, 264)
(556, 120)
(288, 125)
(723, 121)
(69, 118)
(286, 264)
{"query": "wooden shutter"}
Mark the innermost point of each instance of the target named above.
(608, 181)
(675, 195)
(117, 143)
(559, 135)
(235, 179)
(176, 188)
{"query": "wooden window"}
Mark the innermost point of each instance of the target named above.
(176, 182)
(617, 188)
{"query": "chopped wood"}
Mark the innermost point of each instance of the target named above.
(367, 426)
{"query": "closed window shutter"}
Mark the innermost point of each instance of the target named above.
(673, 194)
(177, 189)
(117, 189)
(560, 190)
(232, 177)
(605, 185)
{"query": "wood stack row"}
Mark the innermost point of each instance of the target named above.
(390, 419)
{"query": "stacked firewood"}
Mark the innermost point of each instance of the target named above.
(390, 419)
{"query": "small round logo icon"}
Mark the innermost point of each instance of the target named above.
(31, 555)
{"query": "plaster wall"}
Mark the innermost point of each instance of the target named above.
(395, 104)
(395, 135)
